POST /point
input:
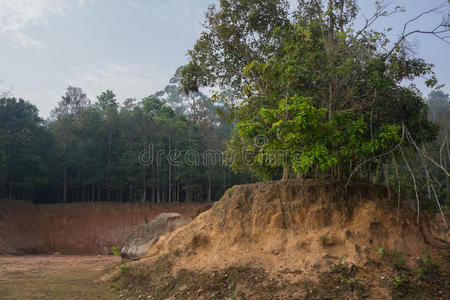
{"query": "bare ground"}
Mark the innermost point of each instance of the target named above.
(55, 277)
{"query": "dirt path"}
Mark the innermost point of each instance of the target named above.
(55, 277)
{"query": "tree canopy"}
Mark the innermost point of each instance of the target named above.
(325, 95)
(316, 97)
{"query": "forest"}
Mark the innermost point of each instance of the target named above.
(90, 151)
(276, 111)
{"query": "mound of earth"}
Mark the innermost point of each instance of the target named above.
(294, 240)
(140, 240)
(299, 225)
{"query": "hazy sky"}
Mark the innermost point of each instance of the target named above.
(132, 47)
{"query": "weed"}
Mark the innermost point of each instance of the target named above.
(426, 255)
(396, 258)
(124, 268)
(116, 251)
(341, 270)
(397, 281)
(426, 266)
(340, 280)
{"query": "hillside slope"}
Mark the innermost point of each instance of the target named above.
(301, 239)
(294, 224)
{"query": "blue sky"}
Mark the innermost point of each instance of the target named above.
(132, 47)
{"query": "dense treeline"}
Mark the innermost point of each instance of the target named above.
(163, 148)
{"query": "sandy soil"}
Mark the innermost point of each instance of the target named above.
(55, 277)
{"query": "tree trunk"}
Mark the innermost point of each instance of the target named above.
(83, 196)
(286, 173)
(65, 185)
(188, 194)
(169, 199)
(144, 196)
(209, 188)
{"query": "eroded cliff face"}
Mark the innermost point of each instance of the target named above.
(292, 224)
(77, 228)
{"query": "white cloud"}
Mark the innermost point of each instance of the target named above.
(18, 15)
(125, 79)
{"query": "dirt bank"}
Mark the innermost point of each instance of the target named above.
(77, 228)
(295, 239)
(294, 224)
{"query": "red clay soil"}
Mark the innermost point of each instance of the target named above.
(76, 228)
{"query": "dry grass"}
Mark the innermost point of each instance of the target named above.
(55, 277)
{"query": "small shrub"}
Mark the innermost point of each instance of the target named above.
(396, 258)
(419, 272)
(341, 271)
(124, 269)
(426, 265)
(116, 251)
(426, 256)
(397, 282)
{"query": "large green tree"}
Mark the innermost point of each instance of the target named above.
(325, 97)
(25, 145)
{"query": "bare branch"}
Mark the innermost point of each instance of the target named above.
(439, 205)
(414, 181)
(437, 31)
(398, 182)
(441, 149)
(381, 11)
(413, 142)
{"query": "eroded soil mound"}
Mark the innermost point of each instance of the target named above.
(76, 228)
(293, 224)
(294, 240)
(142, 238)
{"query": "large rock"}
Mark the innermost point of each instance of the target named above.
(140, 240)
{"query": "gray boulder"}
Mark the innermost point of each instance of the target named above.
(140, 240)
